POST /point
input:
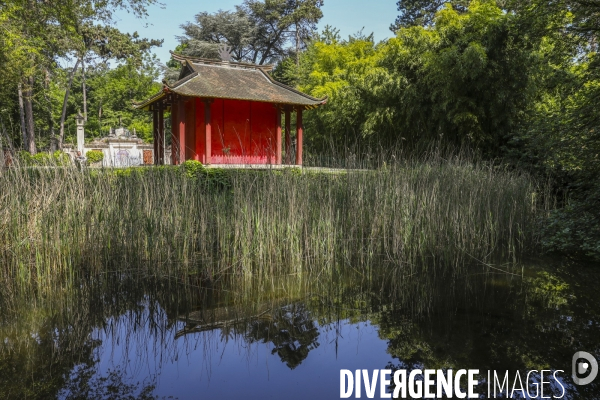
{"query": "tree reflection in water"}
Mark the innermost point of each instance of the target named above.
(479, 320)
(292, 331)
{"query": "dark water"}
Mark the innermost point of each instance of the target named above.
(123, 337)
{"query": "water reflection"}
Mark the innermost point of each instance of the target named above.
(124, 337)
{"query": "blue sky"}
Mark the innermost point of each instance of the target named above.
(349, 16)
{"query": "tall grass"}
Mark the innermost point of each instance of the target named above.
(420, 216)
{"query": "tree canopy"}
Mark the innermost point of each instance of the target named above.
(258, 31)
(466, 79)
(41, 38)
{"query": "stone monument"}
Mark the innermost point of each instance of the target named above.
(80, 134)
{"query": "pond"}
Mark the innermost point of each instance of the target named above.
(289, 337)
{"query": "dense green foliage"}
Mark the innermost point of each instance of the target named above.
(42, 159)
(49, 45)
(512, 82)
(94, 156)
(110, 92)
(465, 80)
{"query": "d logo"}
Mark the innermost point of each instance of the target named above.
(581, 367)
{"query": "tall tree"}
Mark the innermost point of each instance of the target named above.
(258, 31)
(44, 33)
(22, 115)
(61, 133)
(109, 94)
(28, 100)
(101, 43)
(282, 21)
(231, 27)
(466, 79)
(422, 12)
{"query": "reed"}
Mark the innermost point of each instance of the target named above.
(433, 215)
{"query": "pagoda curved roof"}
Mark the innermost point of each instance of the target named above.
(228, 80)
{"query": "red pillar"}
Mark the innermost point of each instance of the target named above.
(278, 139)
(199, 129)
(299, 132)
(174, 130)
(288, 139)
(207, 132)
(155, 133)
(190, 129)
(161, 134)
(181, 130)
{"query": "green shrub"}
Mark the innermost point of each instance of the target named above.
(94, 156)
(216, 177)
(42, 158)
(575, 228)
(61, 158)
(193, 168)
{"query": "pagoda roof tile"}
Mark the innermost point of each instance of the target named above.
(229, 80)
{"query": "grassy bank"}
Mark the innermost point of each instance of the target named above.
(420, 216)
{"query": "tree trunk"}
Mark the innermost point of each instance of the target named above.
(100, 117)
(297, 46)
(49, 108)
(22, 116)
(4, 131)
(83, 89)
(28, 100)
(1, 147)
(61, 135)
(7, 142)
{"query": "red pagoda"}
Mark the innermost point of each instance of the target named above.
(226, 112)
